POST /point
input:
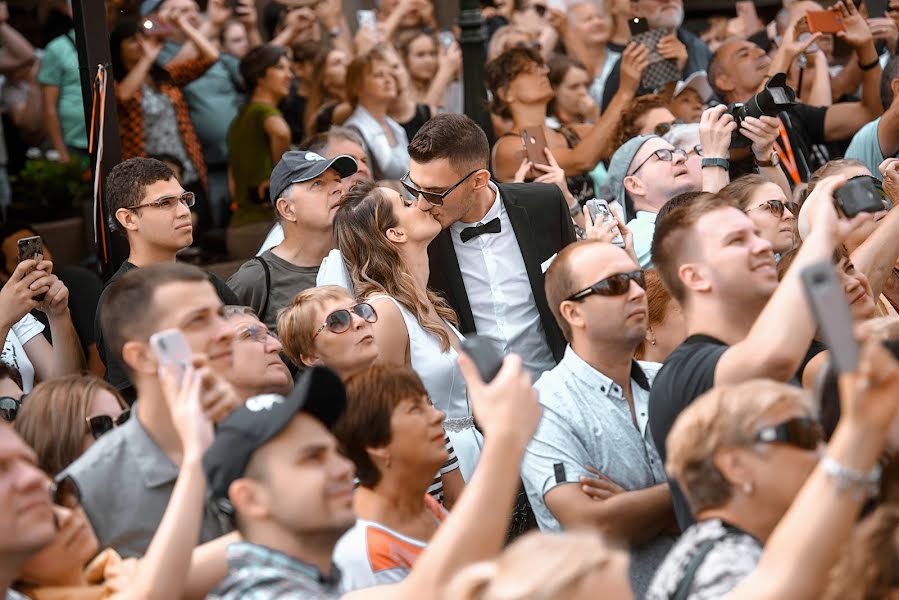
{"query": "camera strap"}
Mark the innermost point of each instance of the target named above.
(785, 153)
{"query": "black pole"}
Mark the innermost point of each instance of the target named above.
(474, 56)
(92, 41)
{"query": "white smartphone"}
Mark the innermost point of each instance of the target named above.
(599, 209)
(446, 39)
(366, 18)
(172, 350)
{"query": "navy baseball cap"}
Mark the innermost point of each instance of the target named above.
(319, 392)
(297, 166)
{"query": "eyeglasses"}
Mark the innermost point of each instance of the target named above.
(9, 408)
(878, 187)
(433, 198)
(188, 199)
(776, 207)
(102, 424)
(65, 492)
(340, 320)
(802, 432)
(697, 150)
(256, 333)
(663, 154)
(614, 285)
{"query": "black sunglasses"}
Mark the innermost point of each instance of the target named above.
(340, 320)
(9, 408)
(663, 154)
(102, 424)
(776, 207)
(65, 492)
(801, 432)
(614, 285)
(435, 198)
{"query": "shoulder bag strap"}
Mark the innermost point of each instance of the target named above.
(683, 589)
(268, 285)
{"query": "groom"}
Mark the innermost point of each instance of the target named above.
(487, 260)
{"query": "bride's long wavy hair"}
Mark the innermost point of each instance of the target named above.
(375, 264)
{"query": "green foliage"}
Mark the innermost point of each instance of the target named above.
(47, 190)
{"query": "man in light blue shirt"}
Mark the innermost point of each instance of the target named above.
(644, 174)
(879, 139)
(596, 410)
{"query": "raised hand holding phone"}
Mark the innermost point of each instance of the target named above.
(182, 392)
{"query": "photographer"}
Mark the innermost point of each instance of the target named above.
(740, 69)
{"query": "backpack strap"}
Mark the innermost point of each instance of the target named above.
(683, 588)
(268, 285)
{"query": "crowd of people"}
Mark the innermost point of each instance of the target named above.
(579, 353)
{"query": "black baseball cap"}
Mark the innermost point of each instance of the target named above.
(297, 166)
(319, 392)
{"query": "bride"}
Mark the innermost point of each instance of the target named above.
(383, 239)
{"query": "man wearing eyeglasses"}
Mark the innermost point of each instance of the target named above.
(26, 523)
(148, 205)
(596, 412)
(644, 174)
(258, 352)
(489, 259)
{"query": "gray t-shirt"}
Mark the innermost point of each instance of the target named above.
(126, 481)
(286, 281)
(865, 146)
(587, 421)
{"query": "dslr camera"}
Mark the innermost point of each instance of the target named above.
(776, 97)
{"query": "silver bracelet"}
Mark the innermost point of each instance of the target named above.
(862, 485)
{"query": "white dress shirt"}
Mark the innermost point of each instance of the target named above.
(499, 291)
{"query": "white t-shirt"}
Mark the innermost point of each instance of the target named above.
(14, 352)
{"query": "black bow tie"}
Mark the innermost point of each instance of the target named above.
(491, 226)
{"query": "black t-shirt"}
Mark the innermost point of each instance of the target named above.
(422, 115)
(688, 373)
(116, 373)
(805, 127)
(293, 108)
(84, 293)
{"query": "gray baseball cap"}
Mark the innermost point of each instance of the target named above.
(619, 168)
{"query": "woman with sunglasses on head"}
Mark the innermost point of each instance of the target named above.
(722, 452)
(383, 238)
(519, 82)
(326, 326)
(70, 566)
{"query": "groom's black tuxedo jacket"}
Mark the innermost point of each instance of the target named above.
(542, 226)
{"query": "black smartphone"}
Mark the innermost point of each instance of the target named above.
(32, 248)
(486, 354)
(638, 26)
(828, 302)
(859, 195)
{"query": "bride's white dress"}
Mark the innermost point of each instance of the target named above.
(440, 374)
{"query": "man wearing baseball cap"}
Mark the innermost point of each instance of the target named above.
(275, 466)
(305, 189)
(644, 174)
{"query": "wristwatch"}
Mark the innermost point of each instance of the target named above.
(773, 162)
(715, 162)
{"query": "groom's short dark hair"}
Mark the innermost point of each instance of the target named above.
(454, 137)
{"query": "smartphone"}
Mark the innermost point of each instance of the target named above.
(366, 18)
(858, 195)
(172, 350)
(486, 354)
(638, 26)
(446, 39)
(599, 210)
(156, 27)
(824, 21)
(32, 248)
(828, 302)
(534, 145)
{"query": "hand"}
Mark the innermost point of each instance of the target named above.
(550, 173)
(857, 32)
(300, 19)
(671, 48)
(56, 299)
(716, 127)
(16, 296)
(558, 20)
(885, 29)
(599, 487)
(451, 59)
(627, 234)
(507, 407)
(823, 217)
(762, 133)
(366, 39)
(330, 13)
(150, 47)
(634, 60)
(217, 397)
(217, 13)
(4, 13)
(868, 397)
(791, 46)
(190, 420)
(246, 13)
(601, 230)
(889, 169)
(523, 169)
(749, 18)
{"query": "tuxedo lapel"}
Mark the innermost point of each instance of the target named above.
(524, 234)
(446, 277)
